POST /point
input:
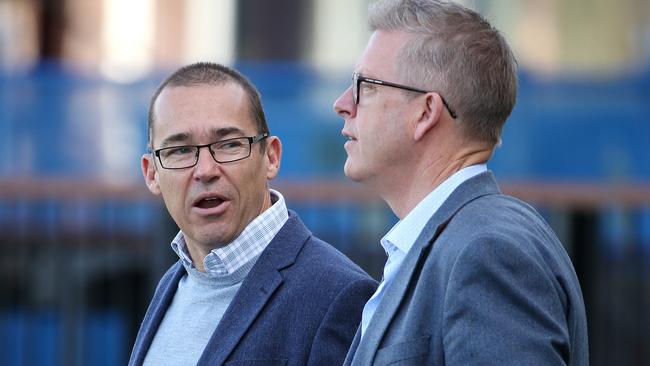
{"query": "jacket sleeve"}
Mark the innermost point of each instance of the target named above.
(503, 306)
(338, 327)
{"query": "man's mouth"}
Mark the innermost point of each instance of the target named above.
(348, 136)
(210, 202)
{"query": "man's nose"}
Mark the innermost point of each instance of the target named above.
(344, 105)
(206, 167)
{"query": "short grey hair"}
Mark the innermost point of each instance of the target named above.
(457, 53)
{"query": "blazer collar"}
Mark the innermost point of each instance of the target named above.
(475, 187)
(256, 290)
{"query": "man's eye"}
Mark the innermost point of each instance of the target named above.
(366, 87)
(231, 145)
(179, 151)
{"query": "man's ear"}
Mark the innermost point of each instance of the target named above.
(430, 114)
(150, 173)
(273, 154)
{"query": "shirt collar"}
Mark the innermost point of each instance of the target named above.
(248, 245)
(403, 235)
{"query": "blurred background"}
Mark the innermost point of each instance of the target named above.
(83, 243)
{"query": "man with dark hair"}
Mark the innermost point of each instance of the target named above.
(252, 285)
(473, 277)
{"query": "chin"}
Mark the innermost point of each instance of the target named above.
(213, 237)
(352, 174)
(353, 178)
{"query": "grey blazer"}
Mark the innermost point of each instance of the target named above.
(486, 283)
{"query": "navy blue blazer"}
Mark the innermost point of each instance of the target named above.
(487, 282)
(299, 305)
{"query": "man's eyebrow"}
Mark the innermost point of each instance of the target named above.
(225, 131)
(362, 71)
(216, 133)
(175, 138)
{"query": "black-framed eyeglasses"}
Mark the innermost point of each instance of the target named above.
(357, 79)
(224, 151)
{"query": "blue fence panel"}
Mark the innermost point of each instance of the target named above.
(29, 338)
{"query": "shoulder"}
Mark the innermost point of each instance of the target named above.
(497, 209)
(499, 247)
(312, 267)
(323, 260)
(328, 278)
(500, 225)
(500, 216)
(315, 256)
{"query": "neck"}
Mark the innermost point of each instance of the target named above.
(198, 254)
(423, 178)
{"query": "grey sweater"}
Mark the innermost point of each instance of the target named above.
(196, 310)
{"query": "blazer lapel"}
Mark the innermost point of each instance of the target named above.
(241, 313)
(386, 309)
(155, 314)
(480, 185)
(256, 290)
(353, 348)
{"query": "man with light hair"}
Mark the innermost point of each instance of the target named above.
(473, 277)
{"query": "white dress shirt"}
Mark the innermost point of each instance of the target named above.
(399, 240)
